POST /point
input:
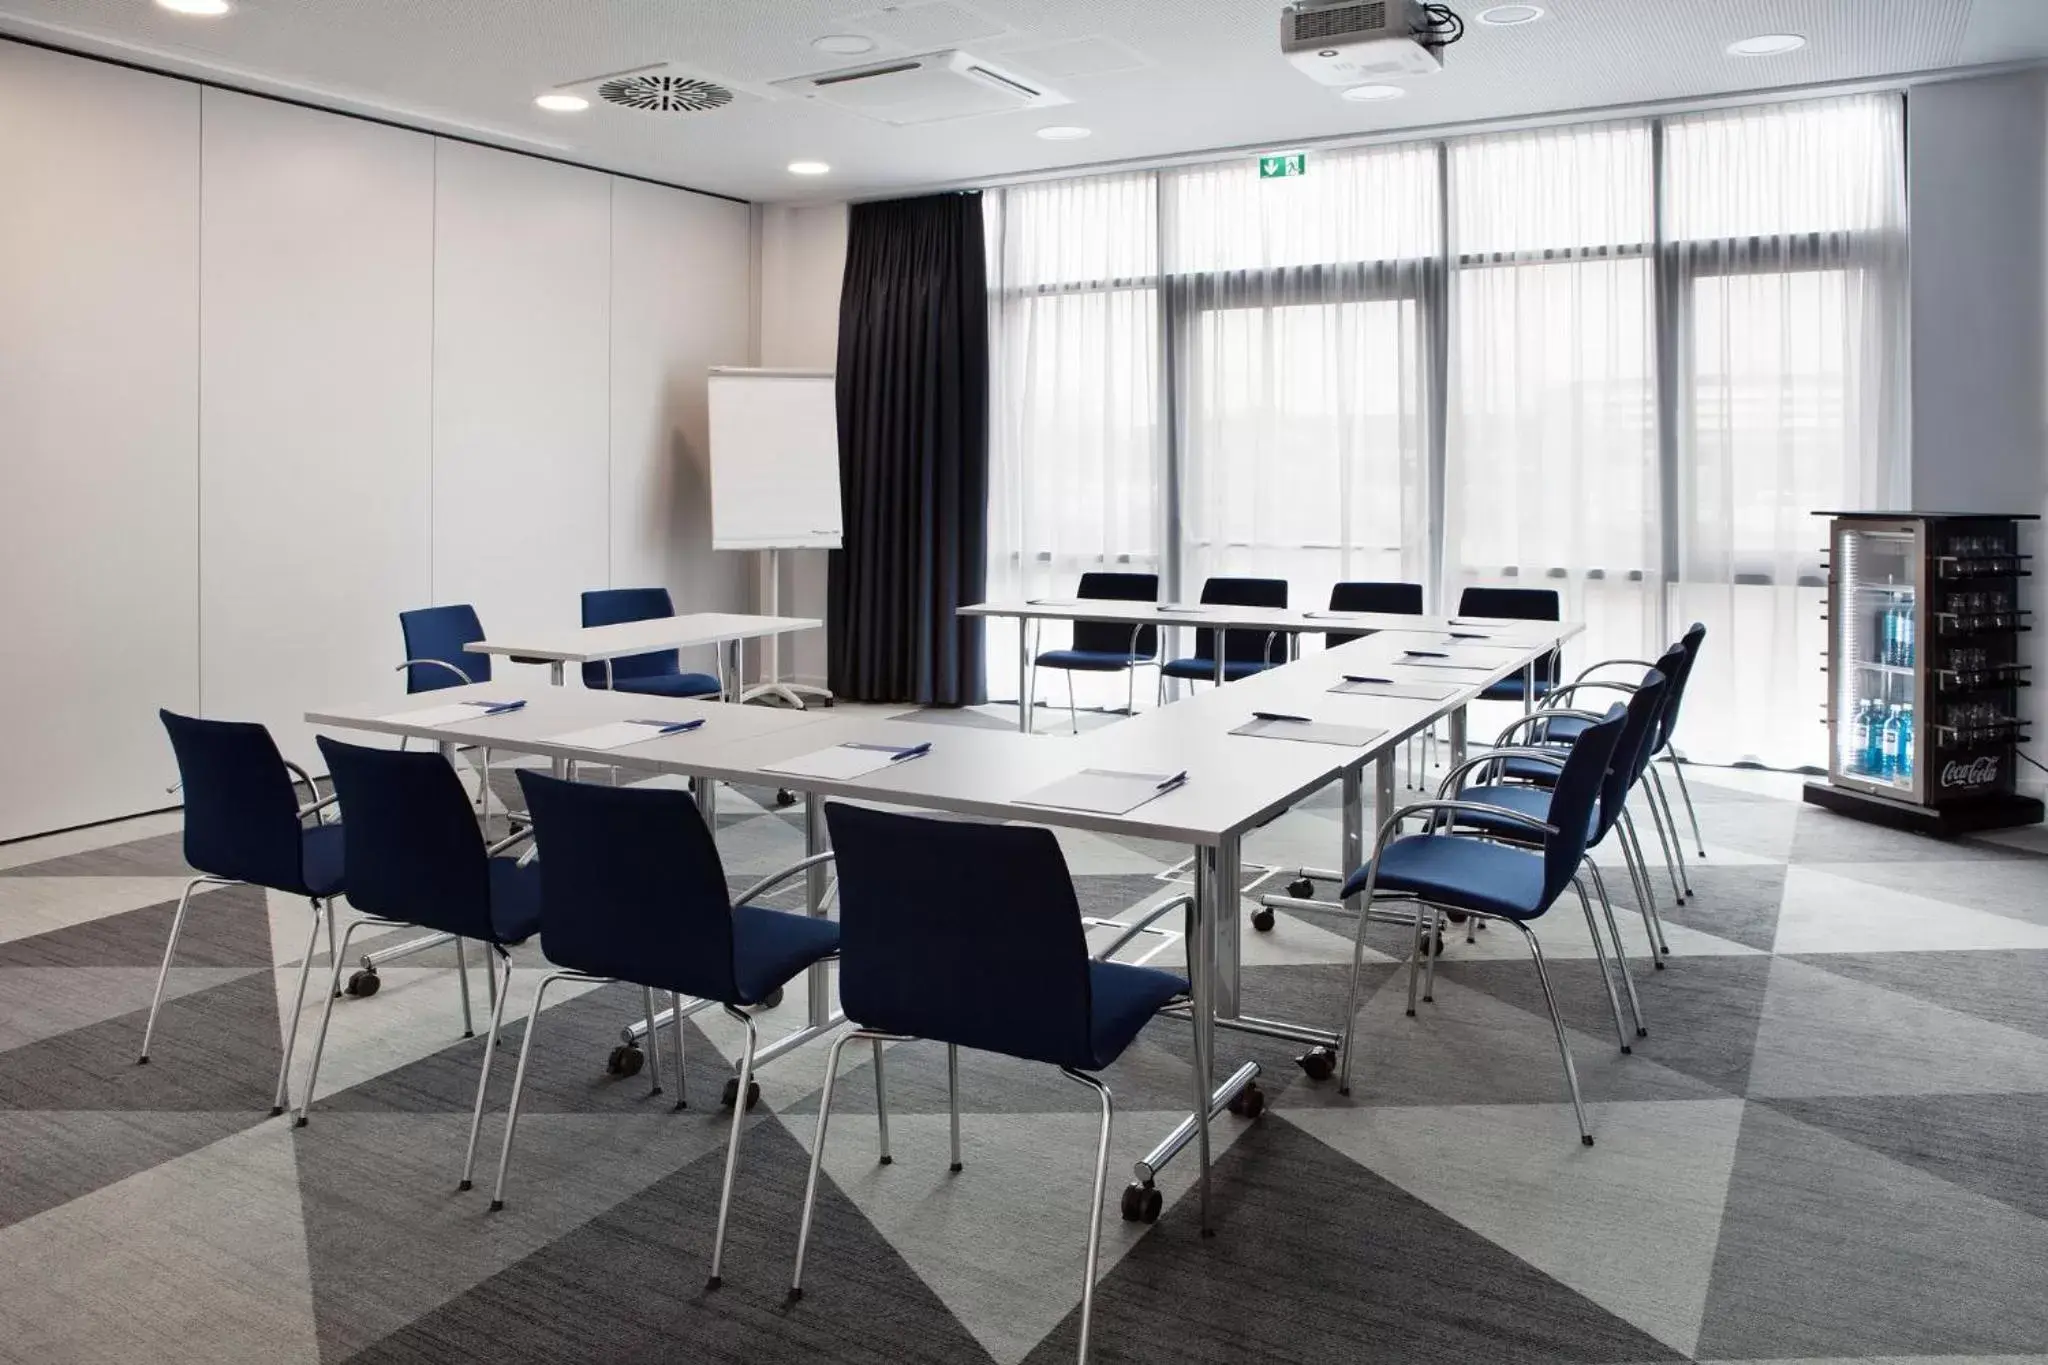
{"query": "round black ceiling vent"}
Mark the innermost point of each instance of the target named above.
(664, 94)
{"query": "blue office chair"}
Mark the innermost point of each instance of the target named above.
(416, 858)
(1391, 599)
(659, 674)
(435, 658)
(1245, 652)
(1495, 881)
(1516, 604)
(244, 825)
(925, 907)
(1106, 646)
(1565, 724)
(634, 891)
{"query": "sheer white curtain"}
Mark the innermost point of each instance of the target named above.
(1300, 351)
(1076, 441)
(1787, 227)
(1551, 460)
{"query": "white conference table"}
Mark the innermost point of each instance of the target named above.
(597, 644)
(1235, 783)
(1287, 622)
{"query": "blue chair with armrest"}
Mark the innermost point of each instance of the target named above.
(1245, 652)
(1445, 870)
(916, 955)
(634, 891)
(417, 858)
(244, 825)
(1517, 604)
(1107, 646)
(659, 674)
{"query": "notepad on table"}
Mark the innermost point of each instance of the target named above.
(454, 713)
(1447, 661)
(843, 761)
(1353, 686)
(1309, 731)
(1104, 791)
(619, 733)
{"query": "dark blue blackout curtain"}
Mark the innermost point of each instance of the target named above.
(913, 454)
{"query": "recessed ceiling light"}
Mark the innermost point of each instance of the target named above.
(562, 104)
(1367, 94)
(808, 168)
(844, 44)
(1505, 15)
(1766, 45)
(1065, 132)
(204, 9)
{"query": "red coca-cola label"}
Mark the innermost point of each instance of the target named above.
(1965, 774)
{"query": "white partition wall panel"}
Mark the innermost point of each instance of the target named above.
(522, 285)
(316, 350)
(680, 302)
(99, 316)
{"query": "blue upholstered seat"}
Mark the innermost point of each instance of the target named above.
(1467, 873)
(1092, 660)
(669, 685)
(515, 899)
(770, 947)
(1530, 801)
(658, 674)
(1122, 1000)
(1204, 670)
(321, 856)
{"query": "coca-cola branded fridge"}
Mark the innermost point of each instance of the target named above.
(1926, 671)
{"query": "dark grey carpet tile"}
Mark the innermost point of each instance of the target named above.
(161, 855)
(2011, 887)
(228, 927)
(1108, 895)
(215, 1050)
(1824, 837)
(1992, 1144)
(2004, 987)
(981, 720)
(1829, 1250)
(566, 1073)
(629, 1285)
(1315, 1260)
(53, 1158)
(1739, 904)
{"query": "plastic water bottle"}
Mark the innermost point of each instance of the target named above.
(1902, 744)
(1860, 752)
(1875, 750)
(1893, 729)
(1904, 635)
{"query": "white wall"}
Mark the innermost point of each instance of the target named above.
(269, 376)
(99, 414)
(801, 250)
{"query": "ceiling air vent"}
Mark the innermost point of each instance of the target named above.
(663, 89)
(930, 88)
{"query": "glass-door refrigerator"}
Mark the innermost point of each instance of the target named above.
(1925, 671)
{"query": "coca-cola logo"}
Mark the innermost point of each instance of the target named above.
(1981, 771)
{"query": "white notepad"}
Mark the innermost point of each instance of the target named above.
(1406, 690)
(1311, 732)
(1104, 791)
(1465, 667)
(452, 714)
(619, 733)
(843, 761)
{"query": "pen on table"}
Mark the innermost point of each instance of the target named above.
(1362, 678)
(1279, 715)
(1425, 654)
(1468, 635)
(670, 727)
(499, 708)
(1170, 783)
(914, 751)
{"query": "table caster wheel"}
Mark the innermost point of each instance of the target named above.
(770, 1000)
(626, 1060)
(1249, 1102)
(1142, 1203)
(1301, 888)
(1318, 1063)
(732, 1090)
(784, 798)
(364, 982)
(1262, 919)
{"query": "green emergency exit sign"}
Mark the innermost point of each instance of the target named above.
(1284, 166)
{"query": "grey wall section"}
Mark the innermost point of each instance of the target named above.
(269, 376)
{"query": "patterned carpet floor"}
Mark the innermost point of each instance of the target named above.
(1833, 1146)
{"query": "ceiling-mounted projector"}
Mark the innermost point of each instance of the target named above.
(1348, 42)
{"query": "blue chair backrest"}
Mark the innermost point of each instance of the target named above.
(610, 607)
(440, 633)
(1578, 787)
(1517, 604)
(1107, 637)
(1392, 599)
(414, 851)
(1689, 642)
(1637, 741)
(241, 816)
(1243, 646)
(963, 932)
(631, 886)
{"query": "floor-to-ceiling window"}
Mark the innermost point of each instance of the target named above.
(1624, 361)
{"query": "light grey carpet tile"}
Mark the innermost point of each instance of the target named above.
(2001, 987)
(53, 1158)
(1989, 1144)
(121, 855)
(224, 927)
(1822, 836)
(1736, 903)
(45, 1002)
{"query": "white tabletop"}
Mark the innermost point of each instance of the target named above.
(1286, 621)
(587, 644)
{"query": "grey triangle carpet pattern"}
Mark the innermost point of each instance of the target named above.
(1829, 1148)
